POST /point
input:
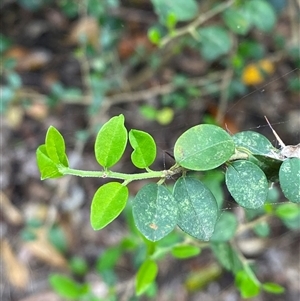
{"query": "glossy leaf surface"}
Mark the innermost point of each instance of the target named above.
(289, 178)
(144, 148)
(55, 146)
(154, 211)
(108, 202)
(47, 167)
(203, 147)
(197, 208)
(247, 184)
(145, 276)
(111, 142)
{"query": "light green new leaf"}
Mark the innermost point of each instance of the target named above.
(154, 211)
(47, 167)
(144, 148)
(185, 251)
(108, 202)
(273, 288)
(197, 208)
(214, 42)
(203, 147)
(245, 283)
(145, 276)
(289, 178)
(55, 146)
(111, 141)
(247, 184)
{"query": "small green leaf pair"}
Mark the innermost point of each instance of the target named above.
(192, 207)
(111, 142)
(51, 155)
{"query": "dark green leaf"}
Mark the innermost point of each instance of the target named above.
(108, 202)
(145, 276)
(214, 42)
(55, 146)
(185, 251)
(144, 148)
(248, 287)
(261, 14)
(289, 178)
(273, 288)
(154, 211)
(203, 147)
(197, 208)
(47, 167)
(183, 10)
(225, 227)
(66, 287)
(247, 184)
(111, 142)
(255, 142)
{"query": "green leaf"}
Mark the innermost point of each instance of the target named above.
(47, 167)
(225, 227)
(165, 8)
(66, 287)
(262, 229)
(144, 148)
(261, 14)
(287, 211)
(236, 21)
(108, 202)
(111, 142)
(145, 276)
(247, 184)
(289, 178)
(248, 287)
(108, 259)
(55, 146)
(255, 142)
(227, 256)
(273, 288)
(203, 147)
(214, 42)
(197, 208)
(185, 251)
(154, 211)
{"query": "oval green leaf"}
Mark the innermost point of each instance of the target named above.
(245, 283)
(144, 148)
(154, 211)
(197, 208)
(256, 143)
(236, 20)
(261, 14)
(203, 147)
(273, 288)
(145, 276)
(185, 251)
(289, 178)
(111, 142)
(247, 184)
(225, 227)
(108, 202)
(47, 167)
(55, 146)
(214, 42)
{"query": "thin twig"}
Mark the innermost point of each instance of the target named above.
(190, 28)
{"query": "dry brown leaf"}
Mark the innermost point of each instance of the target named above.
(10, 212)
(85, 30)
(37, 110)
(43, 250)
(16, 272)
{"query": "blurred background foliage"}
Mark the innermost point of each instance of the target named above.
(165, 65)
